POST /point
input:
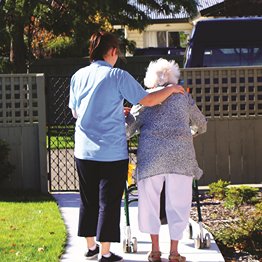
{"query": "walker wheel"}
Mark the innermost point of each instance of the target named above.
(126, 247)
(207, 240)
(134, 242)
(197, 242)
(190, 231)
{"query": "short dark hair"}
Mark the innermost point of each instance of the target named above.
(100, 43)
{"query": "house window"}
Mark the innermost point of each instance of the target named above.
(162, 39)
(165, 39)
(168, 39)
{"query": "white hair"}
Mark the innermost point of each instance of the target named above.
(161, 72)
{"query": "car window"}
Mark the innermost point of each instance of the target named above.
(159, 51)
(240, 56)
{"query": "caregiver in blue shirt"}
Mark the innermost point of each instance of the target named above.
(97, 93)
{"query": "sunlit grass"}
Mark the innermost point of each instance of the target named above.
(60, 142)
(31, 229)
(67, 142)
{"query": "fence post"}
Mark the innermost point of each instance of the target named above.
(40, 81)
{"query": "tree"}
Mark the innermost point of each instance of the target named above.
(15, 16)
(74, 19)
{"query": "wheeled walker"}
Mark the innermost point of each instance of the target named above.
(201, 241)
(129, 243)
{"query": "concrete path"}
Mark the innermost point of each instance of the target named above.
(76, 246)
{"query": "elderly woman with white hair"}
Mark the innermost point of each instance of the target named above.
(165, 154)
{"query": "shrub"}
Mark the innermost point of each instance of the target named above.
(239, 195)
(6, 168)
(62, 46)
(218, 189)
(5, 65)
(244, 232)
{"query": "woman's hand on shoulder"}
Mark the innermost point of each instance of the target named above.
(177, 89)
(127, 110)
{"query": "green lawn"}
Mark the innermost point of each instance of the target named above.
(67, 142)
(31, 229)
(60, 142)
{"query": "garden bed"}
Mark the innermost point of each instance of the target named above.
(242, 242)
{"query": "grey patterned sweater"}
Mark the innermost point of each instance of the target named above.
(165, 141)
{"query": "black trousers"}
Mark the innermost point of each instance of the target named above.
(101, 189)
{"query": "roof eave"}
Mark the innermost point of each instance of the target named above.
(169, 20)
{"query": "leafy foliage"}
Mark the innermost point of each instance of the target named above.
(241, 228)
(240, 195)
(5, 65)
(27, 26)
(218, 189)
(240, 233)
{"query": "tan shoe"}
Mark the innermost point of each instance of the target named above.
(176, 258)
(154, 256)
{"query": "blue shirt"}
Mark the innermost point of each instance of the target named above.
(97, 93)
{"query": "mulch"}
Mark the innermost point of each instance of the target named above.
(214, 216)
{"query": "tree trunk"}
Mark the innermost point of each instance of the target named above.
(18, 48)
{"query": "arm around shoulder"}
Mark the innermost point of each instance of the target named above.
(133, 121)
(155, 98)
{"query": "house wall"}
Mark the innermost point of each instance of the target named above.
(186, 27)
(136, 36)
(139, 37)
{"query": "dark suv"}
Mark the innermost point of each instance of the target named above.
(225, 42)
(178, 51)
